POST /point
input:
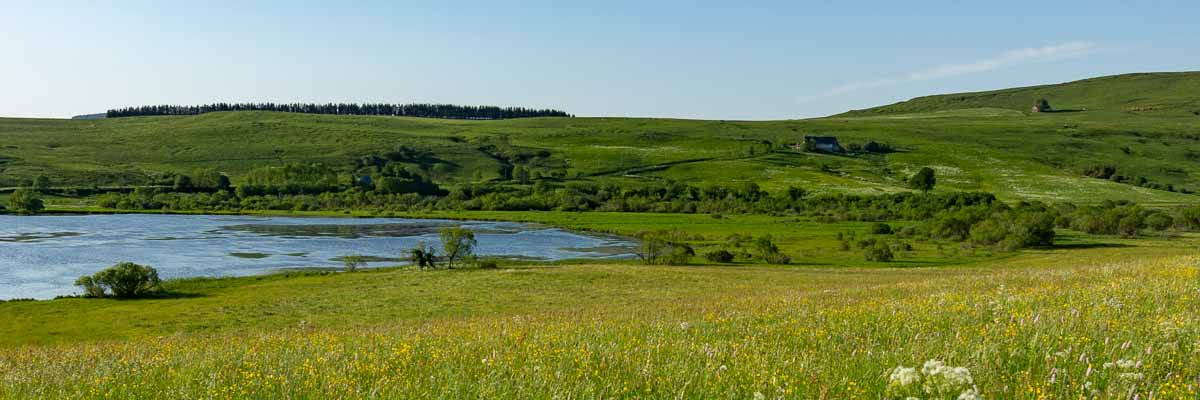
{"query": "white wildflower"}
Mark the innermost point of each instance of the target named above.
(934, 380)
(958, 376)
(970, 394)
(1131, 376)
(903, 376)
(932, 367)
(1126, 364)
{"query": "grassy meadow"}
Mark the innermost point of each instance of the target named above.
(1146, 126)
(1110, 320)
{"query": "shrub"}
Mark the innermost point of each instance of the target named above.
(876, 147)
(1129, 225)
(354, 262)
(1100, 171)
(769, 252)
(924, 180)
(123, 281)
(488, 263)
(1159, 221)
(41, 183)
(1015, 229)
(680, 253)
(1190, 217)
(880, 252)
(664, 247)
(423, 256)
(24, 201)
(778, 258)
(879, 228)
(719, 256)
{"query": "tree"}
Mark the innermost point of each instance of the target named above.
(41, 183)
(182, 183)
(664, 247)
(521, 174)
(24, 201)
(796, 193)
(223, 182)
(457, 244)
(652, 248)
(924, 180)
(354, 262)
(423, 256)
(880, 251)
(123, 281)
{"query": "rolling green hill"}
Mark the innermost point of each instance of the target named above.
(1156, 93)
(979, 142)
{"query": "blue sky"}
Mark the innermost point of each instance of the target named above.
(711, 60)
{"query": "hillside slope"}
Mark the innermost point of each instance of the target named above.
(1159, 93)
(1014, 154)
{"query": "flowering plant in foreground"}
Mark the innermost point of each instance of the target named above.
(935, 380)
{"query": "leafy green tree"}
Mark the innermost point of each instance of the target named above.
(924, 180)
(521, 174)
(664, 247)
(24, 201)
(652, 248)
(1159, 221)
(123, 281)
(879, 228)
(223, 182)
(680, 253)
(457, 244)
(182, 183)
(880, 251)
(423, 256)
(41, 183)
(796, 193)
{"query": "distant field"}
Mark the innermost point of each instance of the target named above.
(976, 144)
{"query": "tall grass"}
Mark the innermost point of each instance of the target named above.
(1080, 329)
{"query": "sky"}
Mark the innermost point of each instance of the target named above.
(758, 60)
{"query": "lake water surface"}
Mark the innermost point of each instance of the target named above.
(41, 256)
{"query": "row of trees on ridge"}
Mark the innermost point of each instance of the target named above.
(448, 111)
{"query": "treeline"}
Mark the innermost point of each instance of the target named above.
(447, 111)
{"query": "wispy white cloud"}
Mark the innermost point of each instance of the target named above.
(1009, 58)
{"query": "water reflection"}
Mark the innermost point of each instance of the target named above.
(41, 256)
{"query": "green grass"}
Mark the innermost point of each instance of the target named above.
(1135, 94)
(998, 148)
(631, 331)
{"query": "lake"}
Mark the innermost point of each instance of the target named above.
(41, 256)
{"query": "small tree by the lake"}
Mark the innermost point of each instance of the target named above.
(924, 180)
(458, 244)
(25, 201)
(423, 256)
(122, 281)
(353, 262)
(664, 248)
